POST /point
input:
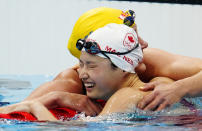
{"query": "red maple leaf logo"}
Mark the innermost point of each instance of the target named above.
(130, 38)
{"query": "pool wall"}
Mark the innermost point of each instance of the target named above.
(34, 33)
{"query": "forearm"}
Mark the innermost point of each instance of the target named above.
(9, 108)
(41, 112)
(191, 86)
(73, 101)
(57, 99)
(56, 85)
(66, 81)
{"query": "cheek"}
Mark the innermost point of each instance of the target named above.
(101, 78)
(94, 74)
(110, 79)
(98, 77)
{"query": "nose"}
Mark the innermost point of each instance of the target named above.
(83, 73)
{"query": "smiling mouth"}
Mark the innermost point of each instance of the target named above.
(89, 85)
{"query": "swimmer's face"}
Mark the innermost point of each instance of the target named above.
(99, 78)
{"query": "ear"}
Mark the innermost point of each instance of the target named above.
(141, 68)
(125, 73)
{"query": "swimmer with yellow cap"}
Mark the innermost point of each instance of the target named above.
(165, 66)
(94, 19)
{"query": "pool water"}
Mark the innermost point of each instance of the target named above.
(14, 88)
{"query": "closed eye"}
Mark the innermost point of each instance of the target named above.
(92, 66)
(81, 63)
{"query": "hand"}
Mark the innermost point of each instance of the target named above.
(74, 101)
(22, 106)
(143, 43)
(162, 96)
(34, 107)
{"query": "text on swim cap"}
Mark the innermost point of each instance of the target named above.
(125, 58)
(128, 60)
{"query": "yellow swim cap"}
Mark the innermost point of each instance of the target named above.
(94, 19)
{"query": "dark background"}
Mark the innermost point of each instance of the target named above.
(193, 2)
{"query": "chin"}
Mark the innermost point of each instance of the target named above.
(93, 96)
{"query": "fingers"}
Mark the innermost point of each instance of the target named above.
(146, 100)
(154, 104)
(88, 106)
(92, 109)
(163, 106)
(149, 86)
(96, 107)
(78, 102)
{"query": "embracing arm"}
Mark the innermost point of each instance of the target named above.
(34, 107)
(187, 72)
(67, 81)
(56, 99)
(164, 64)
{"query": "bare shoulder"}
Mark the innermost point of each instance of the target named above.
(150, 54)
(70, 78)
(124, 100)
(66, 74)
(156, 62)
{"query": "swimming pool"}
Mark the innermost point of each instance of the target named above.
(14, 88)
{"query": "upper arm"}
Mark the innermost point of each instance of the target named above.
(164, 64)
(67, 81)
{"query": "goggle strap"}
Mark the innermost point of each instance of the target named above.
(120, 53)
(81, 42)
(105, 55)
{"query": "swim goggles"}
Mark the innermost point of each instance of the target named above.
(93, 48)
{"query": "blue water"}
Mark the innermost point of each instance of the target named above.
(14, 88)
